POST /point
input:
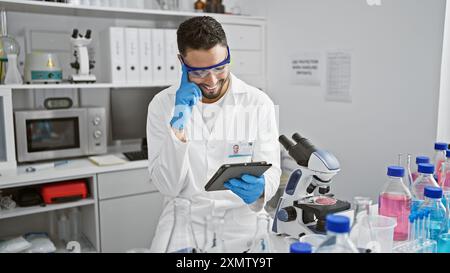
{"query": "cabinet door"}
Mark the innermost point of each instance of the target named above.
(129, 222)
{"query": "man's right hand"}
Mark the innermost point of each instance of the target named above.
(188, 94)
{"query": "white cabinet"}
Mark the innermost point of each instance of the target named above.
(129, 222)
(7, 144)
(129, 209)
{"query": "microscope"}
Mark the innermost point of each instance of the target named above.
(307, 200)
(82, 63)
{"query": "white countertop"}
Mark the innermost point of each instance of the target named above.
(73, 168)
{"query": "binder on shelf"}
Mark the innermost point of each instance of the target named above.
(159, 67)
(132, 55)
(114, 54)
(173, 68)
(145, 50)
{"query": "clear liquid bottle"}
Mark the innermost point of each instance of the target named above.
(261, 242)
(75, 224)
(361, 207)
(425, 178)
(440, 149)
(445, 173)
(337, 240)
(214, 242)
(182, 238)
(438, 223)
(395, 201)
(415, 172)
(300, 248)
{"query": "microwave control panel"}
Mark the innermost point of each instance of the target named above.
(97, 131)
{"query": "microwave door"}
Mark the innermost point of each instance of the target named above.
(51, 134)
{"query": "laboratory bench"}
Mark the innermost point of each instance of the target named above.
(121, 210)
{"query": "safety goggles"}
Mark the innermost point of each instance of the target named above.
(203, 72)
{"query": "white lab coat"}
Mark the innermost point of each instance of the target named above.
(183, 169)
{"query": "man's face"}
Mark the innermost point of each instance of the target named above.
(212, 84)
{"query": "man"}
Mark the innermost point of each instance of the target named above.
(192, 129)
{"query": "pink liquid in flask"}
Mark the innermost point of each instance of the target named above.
(398, 206)
(438, 167)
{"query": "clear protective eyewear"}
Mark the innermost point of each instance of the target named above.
(203, 72)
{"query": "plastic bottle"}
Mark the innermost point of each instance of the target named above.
(261, 242)
(425, 178)
(298, 247)
(419, 159)
(395, 201)
(63, 228)
(75, 224)
(337, 240)
(445, 173)
(439, 157)
(433, 206)
(182, 238)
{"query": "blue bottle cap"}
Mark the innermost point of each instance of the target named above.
(447, 153)
(396, 171)
(433, 192)
(422, 159)
(426, 168)
(337, 223)
(440, 146)
(412, 217)
(298, 247)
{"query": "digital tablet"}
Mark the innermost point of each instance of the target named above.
(229, 171)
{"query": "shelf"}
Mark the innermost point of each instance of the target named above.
(81, 85)
(109, 12)
(20, 211)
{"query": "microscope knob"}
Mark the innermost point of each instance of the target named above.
(287, 214)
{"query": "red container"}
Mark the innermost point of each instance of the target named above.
(64, 192)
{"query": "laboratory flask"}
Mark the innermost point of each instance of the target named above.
(395, 201)
(261, 242)
(214, 242)
(440, 149)
(337, 241)
(361, 207)
(445, 173)
(182, 238)
(433, 207)
(425, 179)
(414, 171)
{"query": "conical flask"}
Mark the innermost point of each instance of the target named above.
(214, 242)
(261, 241)
(182, 238)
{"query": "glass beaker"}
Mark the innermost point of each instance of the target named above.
(361, 207)
(182, 238)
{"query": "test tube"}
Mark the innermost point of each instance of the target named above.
(420, 225)
(411, 235)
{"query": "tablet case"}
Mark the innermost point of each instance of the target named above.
(229, 171)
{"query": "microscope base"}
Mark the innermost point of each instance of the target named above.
(82, 78)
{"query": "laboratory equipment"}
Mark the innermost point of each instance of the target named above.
(361, 207)
(425, 179)
(62, 192)
(440, 149)
(337, 240)
(445, 173)
(432, 206)
(313, 239)
(300, 248)
(63, 228)
(182, 238)
(8, 45)
(376, 233)
(75, 224)
(261, 241)
(12, 71)
(307, 200)
(415, 172)
(443, 243)
(214, 242)
(42, 67)
(82, 64)
(395, 201)
(409, 173)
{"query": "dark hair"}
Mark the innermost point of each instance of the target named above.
(202, 32)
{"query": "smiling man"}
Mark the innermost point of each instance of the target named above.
(193, 129)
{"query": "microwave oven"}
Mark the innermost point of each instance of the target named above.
(59, 133)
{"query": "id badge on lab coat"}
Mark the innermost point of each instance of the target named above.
(240, 149)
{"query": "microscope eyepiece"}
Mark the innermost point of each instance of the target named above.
(75, 33)
(287, 144)
(88, 34)
(303, 141)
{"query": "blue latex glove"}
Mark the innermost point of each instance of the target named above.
(249, 187)
(188, 94)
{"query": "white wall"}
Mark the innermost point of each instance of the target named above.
(444, 95)
(396, 64)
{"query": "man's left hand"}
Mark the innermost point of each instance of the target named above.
(249, 187)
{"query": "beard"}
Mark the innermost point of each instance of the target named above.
(214, 94)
